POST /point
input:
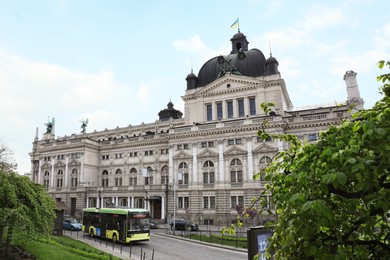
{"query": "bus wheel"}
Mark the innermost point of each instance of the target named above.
(114, 238)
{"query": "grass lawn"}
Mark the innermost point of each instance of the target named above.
(59, 248)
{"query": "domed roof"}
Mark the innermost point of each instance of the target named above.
(248, 63)
(272, 60)
(238, 35)
(191, 76)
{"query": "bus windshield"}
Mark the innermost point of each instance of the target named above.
(138, 224)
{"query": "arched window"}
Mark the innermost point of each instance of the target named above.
(133, 177)
(149, 176)
(105, 178)
(60, 175)
(264, 161)
(46, 179)
(118, 177)
(164, 175)
(74, 178)
(208, 172)
(183, 173)
(236, 171)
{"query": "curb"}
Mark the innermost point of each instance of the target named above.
(201, 242)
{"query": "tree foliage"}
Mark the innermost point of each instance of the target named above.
(24, 206)
(332, 198)
(7, 163)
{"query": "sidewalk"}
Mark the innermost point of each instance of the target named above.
(105, 246)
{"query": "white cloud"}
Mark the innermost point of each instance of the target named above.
(320, 16)
(198, 49)
(382, 39)
(287, 38)
(33, 90)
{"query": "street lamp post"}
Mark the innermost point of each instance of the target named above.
(174, 205)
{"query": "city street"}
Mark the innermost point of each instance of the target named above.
(163, 247)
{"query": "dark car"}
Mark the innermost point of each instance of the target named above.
(180, 224)
(71, 224)
(153, 225)
(194, 227)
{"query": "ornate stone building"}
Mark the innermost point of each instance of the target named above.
(203, 163)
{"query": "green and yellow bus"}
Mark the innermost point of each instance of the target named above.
(119, 224)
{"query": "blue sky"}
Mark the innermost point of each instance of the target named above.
(120, 62)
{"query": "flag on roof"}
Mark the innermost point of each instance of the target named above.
(235, 24)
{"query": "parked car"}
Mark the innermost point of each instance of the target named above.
(153, 225)
(180, 224)
(71, 224)
(194, 227)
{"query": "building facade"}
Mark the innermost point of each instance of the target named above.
(199, 166)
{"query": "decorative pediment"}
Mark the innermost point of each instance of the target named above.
(265, 148)
(234, 151)
(59, 165)
(46, 165)
(73, 163)
(227, 83)
(182, 155)
(207, 153)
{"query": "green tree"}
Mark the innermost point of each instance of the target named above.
(332, 198)
(7, 163)
(25, 206)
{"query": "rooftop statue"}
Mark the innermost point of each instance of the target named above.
(49, 126)
(84, 124)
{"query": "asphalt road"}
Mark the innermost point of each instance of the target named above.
(163, 247)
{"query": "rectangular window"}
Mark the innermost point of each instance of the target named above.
(312, 137)
(236, 200)
(205, 202)
(211, 144)
(185, 146)
(212, 202)
(241, 110)
(209, 111)
(234, 141)
(209, 202)
(219, 111)
(208, 177)
(229, 109)
(149, 180)
(184, 202)
(204, 144)
(184, 179)
(74, 182)
(150, 152)
(179, 147)
(118, 181)
(133, 181)
(252, 106)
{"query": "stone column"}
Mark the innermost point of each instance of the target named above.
(220, 161)
(194, 163)
(163, 207)
(66, 173)
(52, 175)
(250, 158)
